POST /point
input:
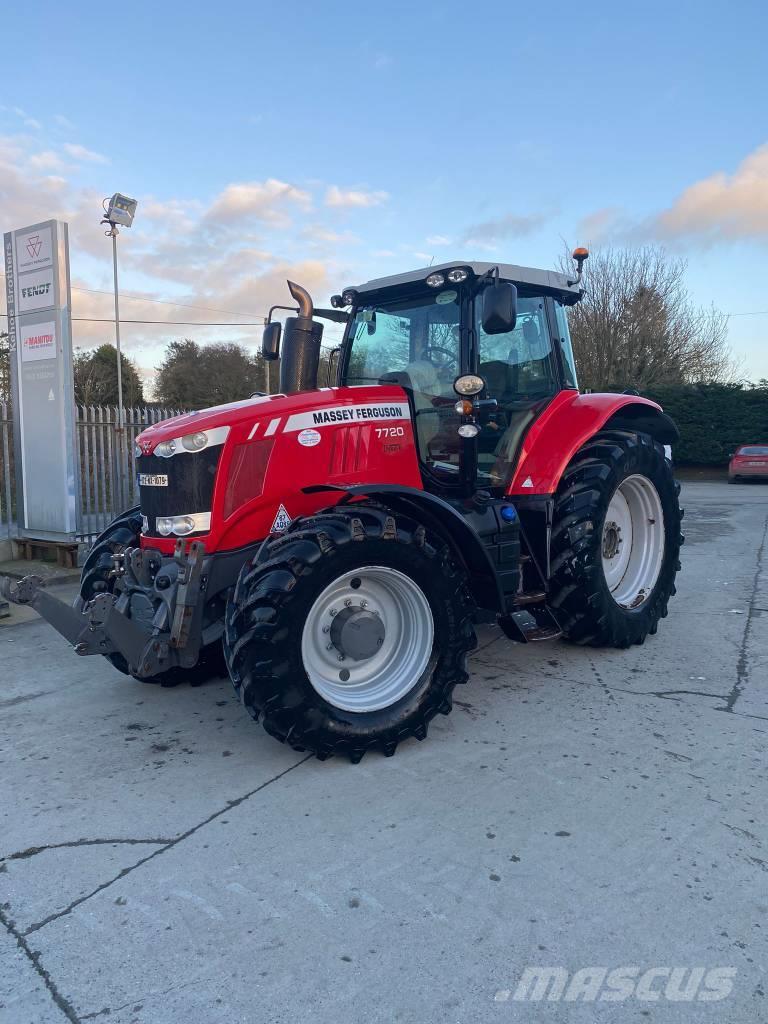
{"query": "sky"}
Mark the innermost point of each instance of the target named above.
(331, 143)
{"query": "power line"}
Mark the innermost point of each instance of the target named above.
(160, 323)
(162, 302)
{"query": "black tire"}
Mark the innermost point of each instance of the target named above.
(124, 532)
(266, 614)
(579, 594)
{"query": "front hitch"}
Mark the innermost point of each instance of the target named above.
(96, 628)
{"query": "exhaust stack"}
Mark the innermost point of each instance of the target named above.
(300, 355)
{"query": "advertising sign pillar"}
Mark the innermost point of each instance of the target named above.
(36, 265)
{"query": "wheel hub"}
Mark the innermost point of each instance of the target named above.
(357, 633)
(633, 540)
(367, 638)
(611, 540)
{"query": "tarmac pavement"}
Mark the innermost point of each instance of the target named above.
(164, 861)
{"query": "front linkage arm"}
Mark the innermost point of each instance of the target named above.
(103, 625)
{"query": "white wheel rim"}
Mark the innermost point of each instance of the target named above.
(397, 614)
(633, 541)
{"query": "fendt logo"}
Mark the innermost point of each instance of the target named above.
(34, 245)
(36, 289)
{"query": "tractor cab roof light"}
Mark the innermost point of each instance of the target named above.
(457, 275)
(435, 280)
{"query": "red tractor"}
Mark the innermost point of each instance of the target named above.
(337, 544)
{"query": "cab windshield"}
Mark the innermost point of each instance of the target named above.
(415, 341)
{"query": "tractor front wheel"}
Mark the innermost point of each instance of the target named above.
(349, 632)
(615, 540)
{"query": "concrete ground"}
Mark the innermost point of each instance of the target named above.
(166, 861)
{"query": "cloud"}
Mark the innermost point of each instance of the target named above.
(336, 196)
(721, 206)
(438, 240)
(47, 160)
(489, 232)
(184, 259)
(84, 155)
(63, 122)
(257, 200)
(317, 234)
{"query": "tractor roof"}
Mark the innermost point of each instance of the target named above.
(530, 277)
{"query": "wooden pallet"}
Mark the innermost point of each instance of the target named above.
(32, 550)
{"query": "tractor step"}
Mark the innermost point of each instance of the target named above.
(527, 597)
(523, 627)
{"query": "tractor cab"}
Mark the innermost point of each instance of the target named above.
(480, 349)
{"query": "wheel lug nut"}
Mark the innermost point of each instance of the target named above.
(348, 603)
(341, 657)
(326, 629)
(363, 604)
(329, 647)
(332, 611)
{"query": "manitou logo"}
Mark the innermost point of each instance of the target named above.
(34, 245)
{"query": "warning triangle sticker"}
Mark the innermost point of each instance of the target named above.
(282, 520)
(527, 482)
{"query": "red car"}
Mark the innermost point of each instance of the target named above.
(749, 461)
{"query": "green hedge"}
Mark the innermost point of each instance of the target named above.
(714, 419)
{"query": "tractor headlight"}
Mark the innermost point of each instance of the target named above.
(469, 430)
(194, 442)
(165, 449)
(136, 452)
(435, 280)
(469, 384)
(182, 525)
(457, 275)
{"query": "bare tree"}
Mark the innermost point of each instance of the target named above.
(637, 327)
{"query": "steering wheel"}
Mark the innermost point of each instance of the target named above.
(449, 357)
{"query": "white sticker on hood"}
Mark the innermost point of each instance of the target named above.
(309, 438)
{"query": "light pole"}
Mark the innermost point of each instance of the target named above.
(118, 210)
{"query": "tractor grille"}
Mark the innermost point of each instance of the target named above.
(191, 477)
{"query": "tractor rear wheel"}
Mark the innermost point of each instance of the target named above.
(615, 540)
(349, 632)
(124, 532)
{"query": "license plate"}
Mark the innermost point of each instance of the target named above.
(753, 463)
(153, 480)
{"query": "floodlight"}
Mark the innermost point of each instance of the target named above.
(121, 210)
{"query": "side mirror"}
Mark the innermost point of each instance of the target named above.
(270, 340)
(499, 309)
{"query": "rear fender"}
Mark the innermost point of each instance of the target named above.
(567, 424)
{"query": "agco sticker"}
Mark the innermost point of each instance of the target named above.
(309, 438)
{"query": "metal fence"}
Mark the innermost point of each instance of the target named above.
(107, 479)
(107, 462)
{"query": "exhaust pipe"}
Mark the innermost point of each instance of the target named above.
(300, 355)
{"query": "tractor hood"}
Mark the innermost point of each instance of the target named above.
(278, 411)
(227, 415)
